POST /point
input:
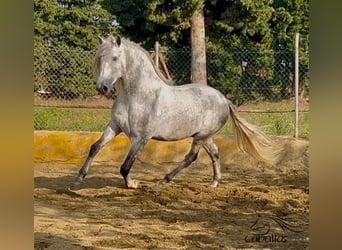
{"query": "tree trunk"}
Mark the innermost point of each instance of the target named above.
(198, 57)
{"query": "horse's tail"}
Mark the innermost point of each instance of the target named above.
(252, 140)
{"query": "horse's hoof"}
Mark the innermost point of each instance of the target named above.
(162, 182)
(132, 185)
(77, 182)
(71, 190)
(79, 179)
(75, 186)
(214, 184)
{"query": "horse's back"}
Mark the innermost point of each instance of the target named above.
(197, 90)
(188, 110)
(203, 96)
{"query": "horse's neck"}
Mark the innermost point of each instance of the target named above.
(140, 71)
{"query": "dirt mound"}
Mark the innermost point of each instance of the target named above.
(255, 206)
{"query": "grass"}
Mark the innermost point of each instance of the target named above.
(85, 119)
(70, 119)
(275, 123)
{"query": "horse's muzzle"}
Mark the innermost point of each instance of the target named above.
(102, 89)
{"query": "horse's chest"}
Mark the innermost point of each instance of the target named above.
(120, 116)
(131, 118)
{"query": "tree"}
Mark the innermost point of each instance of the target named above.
(249, 44)
(75, 23)
(147, 21)
(168, 22)
(198, 51)
(65, 35)
(244, 18)
(239, 36)
(266, 29)
(290, 17)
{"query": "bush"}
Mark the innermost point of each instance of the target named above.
(66, 72)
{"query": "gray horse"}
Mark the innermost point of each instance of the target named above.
(146, 107)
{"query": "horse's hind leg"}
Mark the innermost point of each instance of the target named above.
(189, 158)
(213, 152)
(107, 135)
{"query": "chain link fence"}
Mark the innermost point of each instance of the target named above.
(65, 97)
(243, 76)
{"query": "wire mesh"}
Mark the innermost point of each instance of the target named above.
(65, 97)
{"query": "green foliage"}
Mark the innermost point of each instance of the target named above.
(67, 73)
(73, 23)
(222, 72)
(243, 17)
(292, 16)
(65, 36)
(178, 61)
(147, 21)
(264, 28)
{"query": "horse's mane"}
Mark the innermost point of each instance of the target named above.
(156, 69)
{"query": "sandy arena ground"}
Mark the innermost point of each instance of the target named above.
(255, 207)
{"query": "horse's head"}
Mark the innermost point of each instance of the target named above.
(108, 63)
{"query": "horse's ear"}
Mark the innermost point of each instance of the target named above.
(101, 39)
(115, 40)
(118, 40)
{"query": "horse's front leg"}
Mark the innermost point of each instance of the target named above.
(108, 134)
(137, 145)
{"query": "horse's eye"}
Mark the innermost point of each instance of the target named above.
(115, 58)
